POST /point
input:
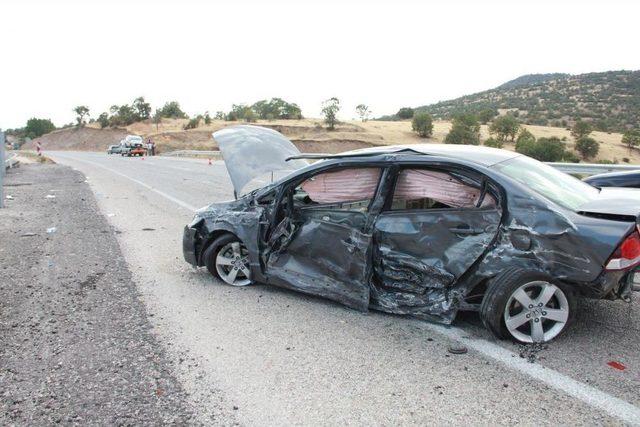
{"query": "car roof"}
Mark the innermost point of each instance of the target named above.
(485, 156)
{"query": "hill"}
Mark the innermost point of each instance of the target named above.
(610, 100)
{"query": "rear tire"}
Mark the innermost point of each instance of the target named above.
(536, 308)
(227, 258)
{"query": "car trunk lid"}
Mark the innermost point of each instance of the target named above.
(254, 152)
(614, 203)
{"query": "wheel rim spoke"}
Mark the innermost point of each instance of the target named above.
(537, 333)
(521, 296)
(231, 277)
(223, 260)
(555, 314)
(517, 320)
(548, 291)
(245, 271)
(236, 249)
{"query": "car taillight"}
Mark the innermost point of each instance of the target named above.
(628, 253)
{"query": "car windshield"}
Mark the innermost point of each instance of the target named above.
(549, 182)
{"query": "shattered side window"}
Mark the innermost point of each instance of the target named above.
(345, 189)
(427, 189)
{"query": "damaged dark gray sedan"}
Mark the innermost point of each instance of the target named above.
(420, 230)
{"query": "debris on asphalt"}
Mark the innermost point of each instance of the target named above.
(531, 351)
(52, 230)
(616, 365)
(28, 234)
(148, 229)
(78, 347)
(9, 197)
(50, 196)
(457, 349)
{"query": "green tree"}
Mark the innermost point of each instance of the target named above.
(142, 108)
(587, 147)
(525, 137)
(505, 127)
(207, 118)
(81, 112)
(494, 143)
(405, 113)
(363, 111)
(631, 138)
(38, 127)
(465, 129)
(193, 123)
(330, 109)
(422, 124)
(550, 149)
(172, 110)
(220, 115)
(580, 129)
(103, 120)
(487, 115)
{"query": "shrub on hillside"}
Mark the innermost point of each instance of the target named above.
(487, 115)
(172, 110)
(587, 147)
(38, 127)
(494, 143)
(103, 120)
(465, 129)
(580, 129)
(505, 127)
(550, 149)
(422, 124)
(276, 108)
(192, 124)
(405, 113)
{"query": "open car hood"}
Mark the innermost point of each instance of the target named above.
(615, 201)
(254, 152)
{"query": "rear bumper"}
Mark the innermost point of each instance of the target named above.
(189, 245)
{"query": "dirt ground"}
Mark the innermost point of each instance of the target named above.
(310, 135)
(77, 346)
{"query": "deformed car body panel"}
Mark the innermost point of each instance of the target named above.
(420, 263)
(250, 152)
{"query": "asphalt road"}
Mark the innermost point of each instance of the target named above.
(284, 358)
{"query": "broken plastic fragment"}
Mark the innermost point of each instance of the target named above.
(9, 197)
(52, 230)
(50, 196)
(616, 365)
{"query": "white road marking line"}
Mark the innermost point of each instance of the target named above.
(147, 186)
(591, 396)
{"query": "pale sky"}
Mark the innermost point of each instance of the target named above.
(209, 55)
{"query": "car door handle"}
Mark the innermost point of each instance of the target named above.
(465, 230)
(351, 247)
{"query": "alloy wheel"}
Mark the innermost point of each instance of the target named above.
(536, 312)
(232, 264)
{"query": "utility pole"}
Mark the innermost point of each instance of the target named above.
(2, 169)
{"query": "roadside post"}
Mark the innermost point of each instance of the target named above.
(2, 169)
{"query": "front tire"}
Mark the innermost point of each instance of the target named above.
(227, 258)
(527, 306)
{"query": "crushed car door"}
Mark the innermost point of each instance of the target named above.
(436, 225)
(321, 245)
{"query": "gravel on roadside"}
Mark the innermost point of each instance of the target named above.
(76, 346)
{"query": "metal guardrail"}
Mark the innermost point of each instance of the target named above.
(592, 168)
(572, 168)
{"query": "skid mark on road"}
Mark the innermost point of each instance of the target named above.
(587, 394)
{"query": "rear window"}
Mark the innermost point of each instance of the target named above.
(549, 182)
(429, 189)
